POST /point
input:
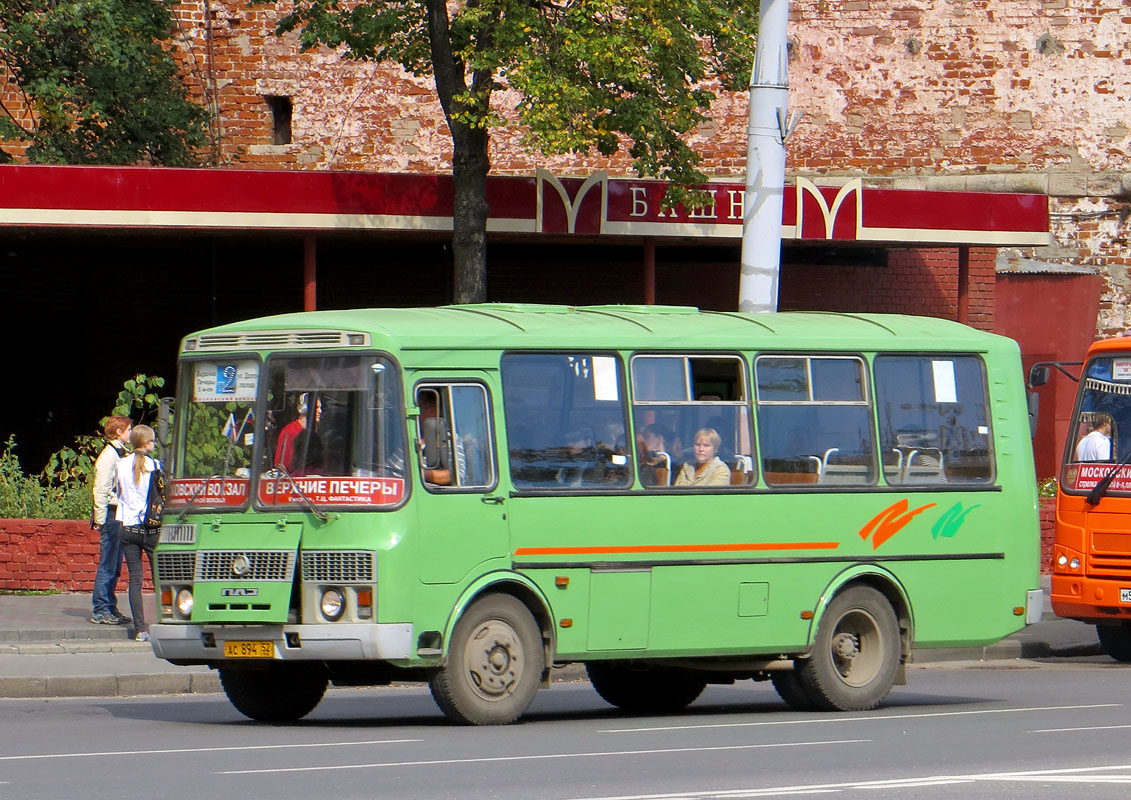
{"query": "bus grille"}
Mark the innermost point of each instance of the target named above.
(278, 340)
(337, 566)
(176, 567)
(262, 565)
(1108, 566)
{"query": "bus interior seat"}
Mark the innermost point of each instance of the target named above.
(742, 471)
(925, 464)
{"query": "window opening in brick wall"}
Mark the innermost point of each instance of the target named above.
(281, 109)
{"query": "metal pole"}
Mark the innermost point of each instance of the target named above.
(765, 162)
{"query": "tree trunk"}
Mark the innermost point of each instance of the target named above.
(470, 165)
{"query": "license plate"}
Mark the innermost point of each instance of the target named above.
(1125, 595)
(249, 650)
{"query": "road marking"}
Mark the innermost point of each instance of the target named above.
(1090, 728)
(874, 718)
(1077, 775)
(205, 749)
(544, 756)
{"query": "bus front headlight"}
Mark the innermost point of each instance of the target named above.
(184, 603)
(333, 604)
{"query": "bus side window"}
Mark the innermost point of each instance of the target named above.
(678, 399)
(934, 420)
(815, 420)
(455, 438)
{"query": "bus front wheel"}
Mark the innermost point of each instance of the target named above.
(856, 653)
(644, 689)
(495, 664)
(278, 693)
(1115, 640)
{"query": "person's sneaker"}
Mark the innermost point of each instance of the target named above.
(122, 618)
(103, 618)
(143, 636)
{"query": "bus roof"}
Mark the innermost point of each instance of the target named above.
(516, 326)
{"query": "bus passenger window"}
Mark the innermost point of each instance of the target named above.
(815, 421)
(455, 437)
(565, 416)
(692, 421)
(934, 423)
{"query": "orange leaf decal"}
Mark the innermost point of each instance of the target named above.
(890, 521)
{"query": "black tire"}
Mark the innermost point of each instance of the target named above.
(495, 664)
(856, 653)
(279, 693)
(789, 689)
(1115, 640)
(644, 689)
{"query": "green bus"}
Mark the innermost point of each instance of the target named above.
(473, 495)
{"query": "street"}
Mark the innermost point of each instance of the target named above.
(1008, 729)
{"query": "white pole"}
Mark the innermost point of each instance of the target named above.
(765, 162)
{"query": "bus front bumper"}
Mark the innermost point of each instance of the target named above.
(1091, 599)
(330, 642)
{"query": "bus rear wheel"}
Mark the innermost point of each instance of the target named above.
(856, 653)
(1115, 640)
(644, 689)
(278, 693)
(495, 664)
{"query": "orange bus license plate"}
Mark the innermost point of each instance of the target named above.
(249, 650)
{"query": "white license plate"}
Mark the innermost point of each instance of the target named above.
(1125, 595)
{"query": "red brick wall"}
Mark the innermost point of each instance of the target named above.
(1048, 519)
(50, 554)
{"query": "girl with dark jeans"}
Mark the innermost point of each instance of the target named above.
(135, 541)
(134, 473)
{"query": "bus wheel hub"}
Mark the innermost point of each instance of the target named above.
(845, 646)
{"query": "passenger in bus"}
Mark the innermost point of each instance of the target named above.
(1096, 446)
(655, 463)
(708, 469)
(435, 442)
(285, 446)
(307, 457)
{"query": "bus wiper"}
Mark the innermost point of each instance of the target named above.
(1100, 489)
(322, 515)
(196, 493)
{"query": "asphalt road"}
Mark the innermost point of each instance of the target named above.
(1010, 729)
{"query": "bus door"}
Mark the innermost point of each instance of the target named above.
(461, 512)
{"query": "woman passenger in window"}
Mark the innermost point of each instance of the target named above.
(708, 469)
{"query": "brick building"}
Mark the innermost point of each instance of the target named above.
(1017, 97)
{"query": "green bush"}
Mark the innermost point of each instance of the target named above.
(63, 489)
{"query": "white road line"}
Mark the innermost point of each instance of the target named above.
(1090, 728)
(33, 756)
(1076, 775)
(541, 757)
(874, 718)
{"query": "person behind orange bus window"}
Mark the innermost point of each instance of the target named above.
(1096, 446)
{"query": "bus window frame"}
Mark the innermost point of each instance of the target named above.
(440, 382)
(401, 413)
(1068, 460)
(991, 483)
(746, 386)
(868, 403)
(516, 490)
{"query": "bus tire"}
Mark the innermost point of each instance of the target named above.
(789, 689)
(644, 689)
(278, 693)
(495, 664)
(1115, 640)
(856, 654)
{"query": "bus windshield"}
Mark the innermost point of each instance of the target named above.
(329, 432)
(1104, 411)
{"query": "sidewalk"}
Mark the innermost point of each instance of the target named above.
(48, 648)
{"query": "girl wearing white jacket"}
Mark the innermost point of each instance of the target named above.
(132, 489)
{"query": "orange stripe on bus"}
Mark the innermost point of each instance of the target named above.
(673, 548)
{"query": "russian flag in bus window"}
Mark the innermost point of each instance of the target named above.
(230, 427)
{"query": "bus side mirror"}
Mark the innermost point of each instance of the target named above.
(1033, 400)
(1038, 375)
(164, 416)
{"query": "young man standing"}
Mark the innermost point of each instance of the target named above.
(105, 602)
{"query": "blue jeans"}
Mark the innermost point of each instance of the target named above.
(109, 567)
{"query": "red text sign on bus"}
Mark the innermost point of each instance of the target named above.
(348, 491)
(1084, 477)
(209, 491)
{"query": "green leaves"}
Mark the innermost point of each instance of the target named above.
(98, 85)
(138, 399)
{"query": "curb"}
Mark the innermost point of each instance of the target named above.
(110, 685)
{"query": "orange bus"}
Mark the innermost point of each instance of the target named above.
(1091, 557)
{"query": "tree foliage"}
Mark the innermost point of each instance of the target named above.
(594, 76)
(97, 83)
